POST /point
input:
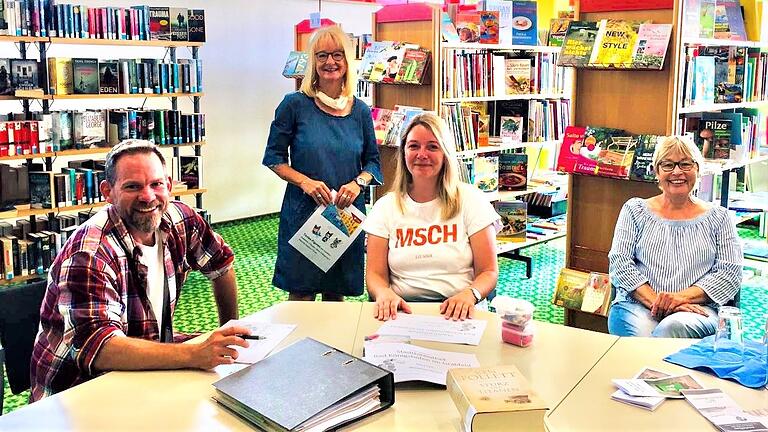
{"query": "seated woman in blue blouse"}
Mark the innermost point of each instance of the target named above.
(674, 259)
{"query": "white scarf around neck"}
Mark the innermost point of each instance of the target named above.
(338, 104)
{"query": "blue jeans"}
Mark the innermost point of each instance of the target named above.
(634, 319)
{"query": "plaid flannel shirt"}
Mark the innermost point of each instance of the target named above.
(92, 295)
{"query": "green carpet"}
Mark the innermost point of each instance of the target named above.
(255, 243)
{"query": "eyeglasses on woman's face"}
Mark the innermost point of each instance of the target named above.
(669, 166)
(322, 56)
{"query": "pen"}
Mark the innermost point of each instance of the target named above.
(251, 337)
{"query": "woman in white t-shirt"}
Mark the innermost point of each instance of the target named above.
(432, 238)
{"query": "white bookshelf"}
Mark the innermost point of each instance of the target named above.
(503, 146)
(501, 47)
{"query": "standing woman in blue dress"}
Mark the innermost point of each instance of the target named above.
(322, 139)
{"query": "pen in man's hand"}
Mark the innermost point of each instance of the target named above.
(251, 337)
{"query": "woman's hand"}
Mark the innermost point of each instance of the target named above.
(317, 190)
(666, 303)
(347, 194)
(692, 307)
(459, 306)
(387, 304)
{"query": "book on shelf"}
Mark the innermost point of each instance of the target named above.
(517, 76)
(414, 64)
(558, 27)
(448, 29)
(41, 189)
(179, 23)
(370, 57)
(196, 25)
(382, 118)
(651, 47)
(578, 43)
(524, 28)
(514, 220)
(493, 398)
(642, 164)
(703, 87)
(486, 174)
(511, 128)
(513, 171)
(468, 27)
(389, 64)
(292, 63)
(729, 22)
(24, 74)
(89, 129)
(159, 23)
(707, 19)
(190, 171)
(85, 75)
(588, 292)
(109, 80)
(614, 43)
(6, 87)
(489, 27)
(60, 79)
(714, 138)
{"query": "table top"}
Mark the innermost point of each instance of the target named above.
(625, 359)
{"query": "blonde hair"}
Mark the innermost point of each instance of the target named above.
(448, 178)
(334, 34)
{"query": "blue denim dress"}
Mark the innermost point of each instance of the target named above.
(331, 149)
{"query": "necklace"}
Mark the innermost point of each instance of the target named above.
(338, 104)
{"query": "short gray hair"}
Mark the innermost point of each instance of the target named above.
(128, 147)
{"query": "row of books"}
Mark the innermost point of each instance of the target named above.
(493, 172)
(45, 18)
(515, 121)
(613, 43)
(19, 137)
(479, 72)
(509, 22)
(18, 74)
(394, 62)
(388, 124)
(123, 76)
(736, 136)
(722, 74)
(718, 19)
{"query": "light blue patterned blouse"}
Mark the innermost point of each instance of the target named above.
(672, 255)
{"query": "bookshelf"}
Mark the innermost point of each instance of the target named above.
(40, 96)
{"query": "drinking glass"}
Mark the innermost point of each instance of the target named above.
(729, 338)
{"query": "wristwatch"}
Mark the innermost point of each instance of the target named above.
(476, 293)
(362, 182)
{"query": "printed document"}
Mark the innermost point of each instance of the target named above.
(722, 411)
(414, 363)
(435, 328)
(270, 336)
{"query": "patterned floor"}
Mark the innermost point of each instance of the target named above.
(254, 243)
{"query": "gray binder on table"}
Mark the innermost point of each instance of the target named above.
(288, 388)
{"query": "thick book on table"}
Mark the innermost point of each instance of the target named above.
(306, 383)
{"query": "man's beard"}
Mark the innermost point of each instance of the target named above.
(144, 222)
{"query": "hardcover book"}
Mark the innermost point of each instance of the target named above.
(615, 43)
(412, 70)
(615, 151)
(651, 46)
(714, 138)
(513, 171)
(517, 75)
(60, 79)
(642, 165)
(109, 80)
(489, 27)
(511, 129)
(468, 27)
(495, 398)
(159, 23)
(179, 24)
(514, 220)
(578, 43)
(24, 74)
(90, 129)
(85, 75)
(190, 171)
(524, 28)
(41, 189)
(196, 25)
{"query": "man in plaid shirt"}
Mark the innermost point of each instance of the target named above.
(113, 286)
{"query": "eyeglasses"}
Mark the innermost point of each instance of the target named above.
(322, 56)
(669, 166)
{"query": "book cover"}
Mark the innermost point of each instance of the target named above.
(90, 129)
(616, 151)
(60, 79)
(558, 27)
(642, 165)
(196, 25)
(290, 64)
(159, 23)
(370, 57)
(6, 88)
(179, 23)
(721, 21)
(513, 171)
(415, 62)
(573, 151)
(301, 66)
(615, 43)
(569, 291)
(486, 174)
(109, 80)
(706, 19)
(489, 27)
(703, 89)
(468, 27)
(511, 129)
(190, 171)
(381, 122)
(578, 43)
(494, 398)
(393, 60)
(517, 75)
(514, 220)
(690, 25)
(85, 75)
(41, 189)
(447, 29)
(24, 74)
(714, 138)
(597, 294)
(524, 28)
(651, 46)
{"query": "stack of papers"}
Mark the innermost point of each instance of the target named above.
(650, 387)
(414, 363)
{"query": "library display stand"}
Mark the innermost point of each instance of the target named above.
(26, 96)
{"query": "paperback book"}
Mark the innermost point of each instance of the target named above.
(513, 171)
(511, 129)
(651, 47)
(578, 43)
(514, 220)
(614, 43)
(489, 27)
(642, 165)
(524, 28)
(159, 23)
(179, 25)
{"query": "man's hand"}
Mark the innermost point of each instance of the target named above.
(387, 304)
(692, 307)
(459, 306)
(216, 349)
(666, 303)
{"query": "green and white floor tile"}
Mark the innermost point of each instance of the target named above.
(255, 244)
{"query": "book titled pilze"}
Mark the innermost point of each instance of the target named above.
(714, 138)
(159, 23)
(196, 24)
(495, 398)
(109, 80)
(85, 75)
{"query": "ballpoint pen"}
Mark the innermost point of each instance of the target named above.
(251, 337)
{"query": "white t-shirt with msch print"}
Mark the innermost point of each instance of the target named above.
(430, 258)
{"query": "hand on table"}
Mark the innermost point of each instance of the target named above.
(317, 190)
(387, 304)
(458, 306)
(216, 349)
(347, 194)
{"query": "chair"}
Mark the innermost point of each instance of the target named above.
(19, 321)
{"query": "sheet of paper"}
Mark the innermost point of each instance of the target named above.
(272, 335)
(636, 387)
(670, 387)
(435, 328)
(722, 411)
(327, 233)
(414, 363)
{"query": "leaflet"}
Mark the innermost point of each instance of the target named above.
(414, 363)
(270, 336)
(722, 411)
(435, 328)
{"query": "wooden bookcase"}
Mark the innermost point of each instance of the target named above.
(40, 95)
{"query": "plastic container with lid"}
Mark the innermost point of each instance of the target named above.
(516, 335)
(517, 312)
